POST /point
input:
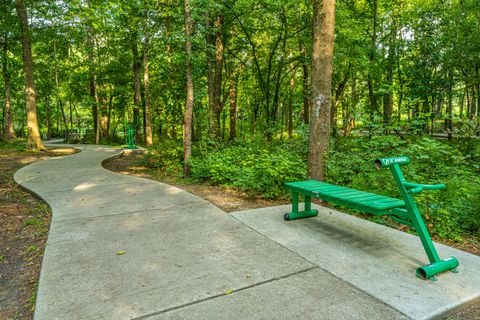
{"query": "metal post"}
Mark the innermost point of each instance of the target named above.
(415, 216)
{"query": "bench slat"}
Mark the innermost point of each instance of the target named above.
(361, 200)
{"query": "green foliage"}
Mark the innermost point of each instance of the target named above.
(253, 166)
(167, 157)
(33, 222)
(450, 211)
(12, 146)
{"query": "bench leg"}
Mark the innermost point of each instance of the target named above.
(306, 213)
(436, 265)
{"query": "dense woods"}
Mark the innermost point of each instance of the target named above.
(234, 91)
(404, 65)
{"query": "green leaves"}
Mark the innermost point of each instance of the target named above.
(450, 212)
(256, 168)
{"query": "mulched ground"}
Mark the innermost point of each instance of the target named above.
(24, 224)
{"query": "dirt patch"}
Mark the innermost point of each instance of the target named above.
(24, 224)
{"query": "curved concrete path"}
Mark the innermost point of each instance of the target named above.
(185, 258)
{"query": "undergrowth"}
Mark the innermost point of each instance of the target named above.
(262, 168)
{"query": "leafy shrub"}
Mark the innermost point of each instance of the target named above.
(167, 157)
(450, 212)
(253, 167)
(262, 168)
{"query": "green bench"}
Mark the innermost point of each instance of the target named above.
(403, 211)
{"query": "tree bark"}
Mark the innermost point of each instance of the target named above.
(449, 115)
(47, 117)
(65, 122)
(306, 96)
(373, 48)
(233, 109)
(34, 140)
(290, 101)
(388, 96)
(217, 81)
(93, 79)
(137, 98)
(210, 43)
(338, 94)
(109, 113)
(278, 76)
(9, 130)
(187, 120)
(146, 85)
(322, 58)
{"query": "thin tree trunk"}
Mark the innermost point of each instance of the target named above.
(146, 85)
(65, 122)
(9, 130)
(70, 109)
(233, 110)
(373, 48)
(290, 101)
(48, 123)
(278, 76)
(210, 43)
(338, 94)
(217, 88)
(137, 87)
(34, 140)
(187, 120)
(104, 118)
(93, 79)
(109, 114)
(449, 117)
(388, 96)
(322, 58)
(473, 103)
(305, 87)
(477, 67)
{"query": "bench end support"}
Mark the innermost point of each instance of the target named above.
(300, 215)
(431, 270)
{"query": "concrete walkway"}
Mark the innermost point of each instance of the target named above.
(186, 259)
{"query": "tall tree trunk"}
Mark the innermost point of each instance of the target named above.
(146, 84)
(477, 67)
(210, 43)
(104, 118)
(388, 96)
(217, 88)
(373, 49)
(47, 117)
(322, 58)
(137, 99)
(109, 113)
(449, 116)
(9, 130)
(34, 140)
(93, 79)
(233, 109)
(305, 88)
(278, 76)
(65, 122)
(187, 120)
(70, 109)
(290, 101)
(473, 103)
(336, 102)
